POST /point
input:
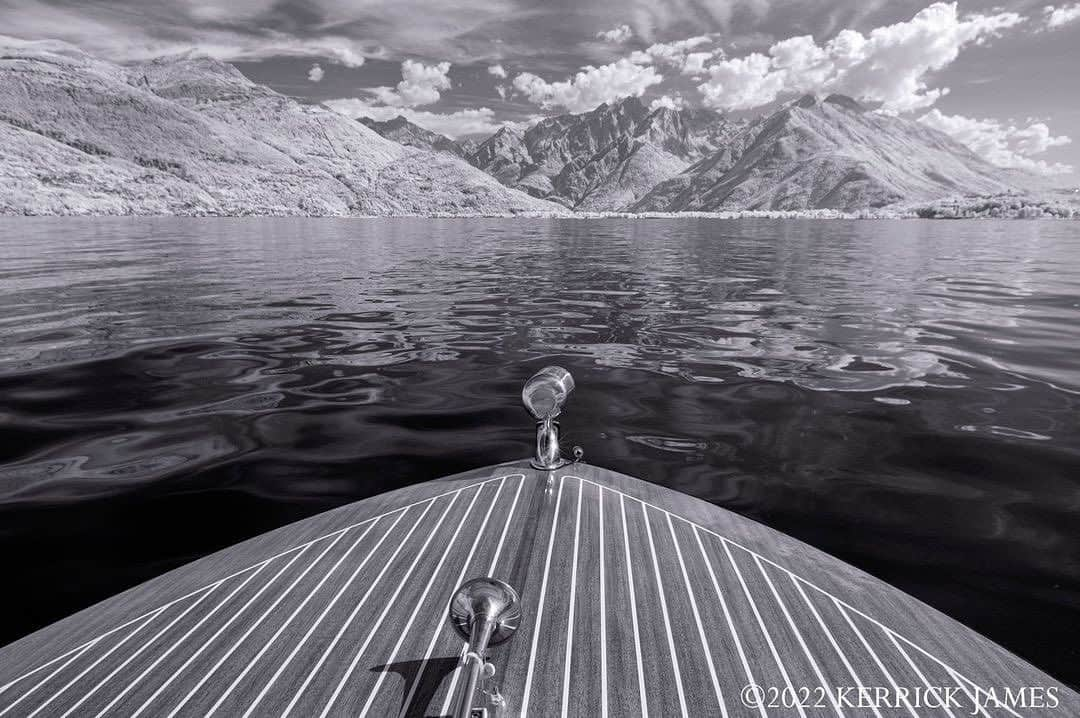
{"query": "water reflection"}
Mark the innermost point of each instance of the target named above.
(901, 394)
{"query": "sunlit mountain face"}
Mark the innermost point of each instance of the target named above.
(980, 72)
(189, 134)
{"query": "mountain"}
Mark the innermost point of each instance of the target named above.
(403, 132)
(191, 135)
(606, 159)
(828, 153)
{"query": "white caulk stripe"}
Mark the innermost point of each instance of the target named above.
(799, 637)
(234, 574)
(540, 606)
(974, 698)
(359, 604)
(404, 631)
(697, 620)
(457, 671)
(959, 676)
(146, 644)
(175, 674)
(919, 673)
(403, 580)
(664, 613)
(567, 657)
(333, 601)
(603, 611)
(285, 624)
(633, 610)
(74, 657)
(727, 615)
(832, 640)
(251, 628)
(764, 630)
(506, 526)
(165, 654)
(269, 611)
(419, 679)
(491, 572)
(206, 644)
(877, 661)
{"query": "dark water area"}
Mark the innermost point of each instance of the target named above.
(903, 395)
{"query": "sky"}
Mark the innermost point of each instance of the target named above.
(999, 76)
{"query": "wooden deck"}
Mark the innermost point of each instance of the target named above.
(637, 601)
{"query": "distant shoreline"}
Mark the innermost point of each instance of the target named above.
(734, 214)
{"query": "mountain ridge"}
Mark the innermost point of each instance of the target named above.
(815, 152)
(401, 130)
(829, 153)
(188, 134)
(602, 159)
(192, 135)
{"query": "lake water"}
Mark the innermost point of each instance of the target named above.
(904, 395)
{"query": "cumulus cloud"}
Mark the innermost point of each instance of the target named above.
(742, 83)
(889, 65)
(620, 34)
(590, 87)
(316, 73)
(461, 123)
(678, 54)
(420, 85)
(670, 102)
(137, 34)
(1058, 16)
(497, 71)
(1002, 144)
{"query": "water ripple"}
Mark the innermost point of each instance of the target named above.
(903, 394)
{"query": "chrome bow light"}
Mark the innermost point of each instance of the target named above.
(544, 395)
(485, 612)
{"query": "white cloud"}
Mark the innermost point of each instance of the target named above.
(742, 83)
(671, 103)
(889, 65)
(316, 73)
(589, 87)
(457, 30)
(141, 35)
(620, 34)
(1001, 144)
(1058, 16)
(678, 54)
(694, 62)
(458, 124)
(420, 85)
(503, 90)
(497, 71)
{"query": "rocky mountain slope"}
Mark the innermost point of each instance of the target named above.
(828, 154)
(191, 135)
(403, 132)
(606, 159)
(188, 135)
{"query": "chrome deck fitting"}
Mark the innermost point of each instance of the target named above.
(485, 612)
(544, 395)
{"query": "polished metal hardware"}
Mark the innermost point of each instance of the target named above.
(544, 395)
(485, 612)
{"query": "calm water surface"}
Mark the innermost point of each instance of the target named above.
(904, 395)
